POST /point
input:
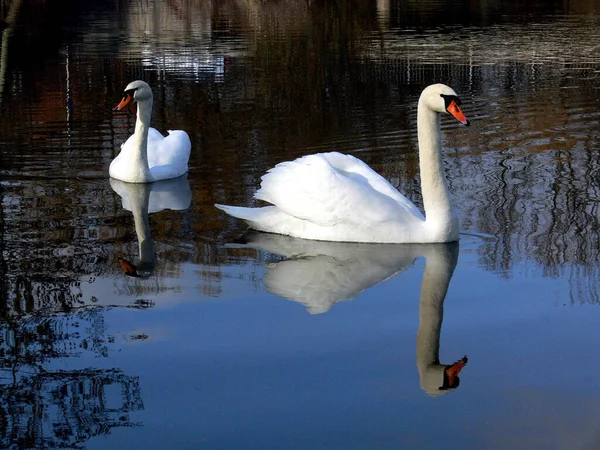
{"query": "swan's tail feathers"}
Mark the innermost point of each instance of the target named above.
(257, 218)
(266, 218)
(241, 212)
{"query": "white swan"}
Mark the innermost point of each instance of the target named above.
(336, 197)
(147, 155)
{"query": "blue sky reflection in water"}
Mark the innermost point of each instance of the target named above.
(221, 344)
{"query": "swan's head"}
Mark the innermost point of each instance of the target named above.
(443, 99)
(136, 91)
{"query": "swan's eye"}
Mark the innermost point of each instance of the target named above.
(448, 99)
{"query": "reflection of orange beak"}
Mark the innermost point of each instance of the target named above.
(455, 110)
(127, 99)
(128, 268)
(453, 370)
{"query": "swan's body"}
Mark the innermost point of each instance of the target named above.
(147, 155)
(337, 197)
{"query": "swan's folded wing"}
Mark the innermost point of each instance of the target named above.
(321, 189)
(171, 150)
(351, 164)
(167, 172)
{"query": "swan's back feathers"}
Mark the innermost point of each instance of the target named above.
(295, 187)
(331, 188)
(351, 164)
(171, 150)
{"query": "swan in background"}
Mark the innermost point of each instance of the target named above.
(336, 197)
(321, 274)
(143, 199)
(147, 155)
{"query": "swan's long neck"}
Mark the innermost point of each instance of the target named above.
(139, 158)
(434, 187)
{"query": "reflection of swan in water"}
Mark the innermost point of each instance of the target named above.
(436, 378)
(319, 274)
(145, 198)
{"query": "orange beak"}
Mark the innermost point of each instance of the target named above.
(127, 99)
(455, 110)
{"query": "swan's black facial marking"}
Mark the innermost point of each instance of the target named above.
(127, 99)
(452, 106)
(448, 100)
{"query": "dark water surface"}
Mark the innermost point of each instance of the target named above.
(223, 344)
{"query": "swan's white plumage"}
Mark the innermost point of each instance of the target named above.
(327, 189)
(327, 195)
(337, 197)
(147, 155)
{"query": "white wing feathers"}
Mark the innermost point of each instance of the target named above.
(333, 188)
(332, 197)
(349, 163)
(171, 150)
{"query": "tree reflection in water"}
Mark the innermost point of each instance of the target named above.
(47, 408)
(46, 317)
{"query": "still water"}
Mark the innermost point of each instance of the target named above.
(231, 340)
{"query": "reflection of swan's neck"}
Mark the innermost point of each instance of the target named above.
(139, 199)
(439, 267)
(146, 247)
(434, 188)
(140, 137)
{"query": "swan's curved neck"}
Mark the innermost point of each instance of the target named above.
(139, 197)
(434, 187)
(139, 158)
